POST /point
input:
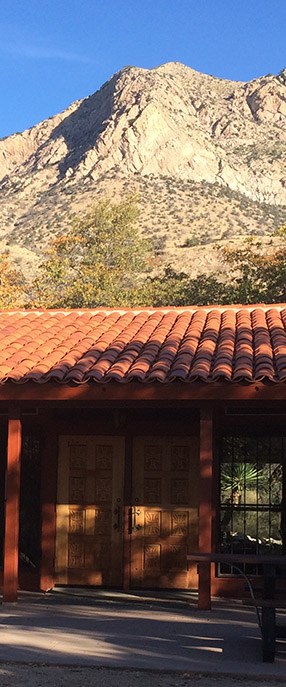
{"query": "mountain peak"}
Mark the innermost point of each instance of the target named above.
(170, 122)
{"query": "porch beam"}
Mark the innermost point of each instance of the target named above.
(12, 507)
(205, 504)
(136, 391)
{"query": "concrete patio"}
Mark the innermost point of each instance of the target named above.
(134, 631)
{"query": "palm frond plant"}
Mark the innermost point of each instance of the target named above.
(237, 477)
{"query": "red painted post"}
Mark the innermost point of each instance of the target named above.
(205, 505)
(12, 507)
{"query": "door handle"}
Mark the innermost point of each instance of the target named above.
(134, 526)
(117, 525)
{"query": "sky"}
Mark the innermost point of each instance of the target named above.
(53, 52)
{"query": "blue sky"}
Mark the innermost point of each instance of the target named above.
(53, 52)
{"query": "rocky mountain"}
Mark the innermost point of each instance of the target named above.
(206, 155)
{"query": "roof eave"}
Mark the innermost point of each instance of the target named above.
(137, 391)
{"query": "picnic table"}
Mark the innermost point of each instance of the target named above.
(270, 630)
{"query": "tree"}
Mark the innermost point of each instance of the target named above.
(261, 272)
(257, 274)
(12, 284)
(101, 261)
(176, 288)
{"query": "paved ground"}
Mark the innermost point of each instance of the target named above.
(109, 641)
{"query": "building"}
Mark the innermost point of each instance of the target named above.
(141, 435)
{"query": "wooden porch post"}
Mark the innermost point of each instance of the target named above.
(12, 507)
(126, 577)
(205, 504)
(49, 464)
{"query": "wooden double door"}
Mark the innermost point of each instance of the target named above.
(149, 523)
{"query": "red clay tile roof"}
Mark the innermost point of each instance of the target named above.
(223, 343)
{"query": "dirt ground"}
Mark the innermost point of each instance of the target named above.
(60, 676)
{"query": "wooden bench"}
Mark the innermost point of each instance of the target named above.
(266, 606)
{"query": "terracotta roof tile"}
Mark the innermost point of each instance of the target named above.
(229, 343)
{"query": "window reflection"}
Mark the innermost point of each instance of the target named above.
(252, 492)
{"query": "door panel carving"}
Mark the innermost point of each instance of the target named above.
(89, 502)
(165, 491)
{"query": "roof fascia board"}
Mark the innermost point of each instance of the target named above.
(136, 391)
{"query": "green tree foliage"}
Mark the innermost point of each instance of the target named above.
(12, 284)
(262, 275)
(176, 288)
(257, 277)
(100, 261)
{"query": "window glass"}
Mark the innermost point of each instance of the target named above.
(252, 474)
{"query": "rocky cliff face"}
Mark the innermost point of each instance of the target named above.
(169, 128)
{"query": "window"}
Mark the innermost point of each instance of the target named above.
(252, 496)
